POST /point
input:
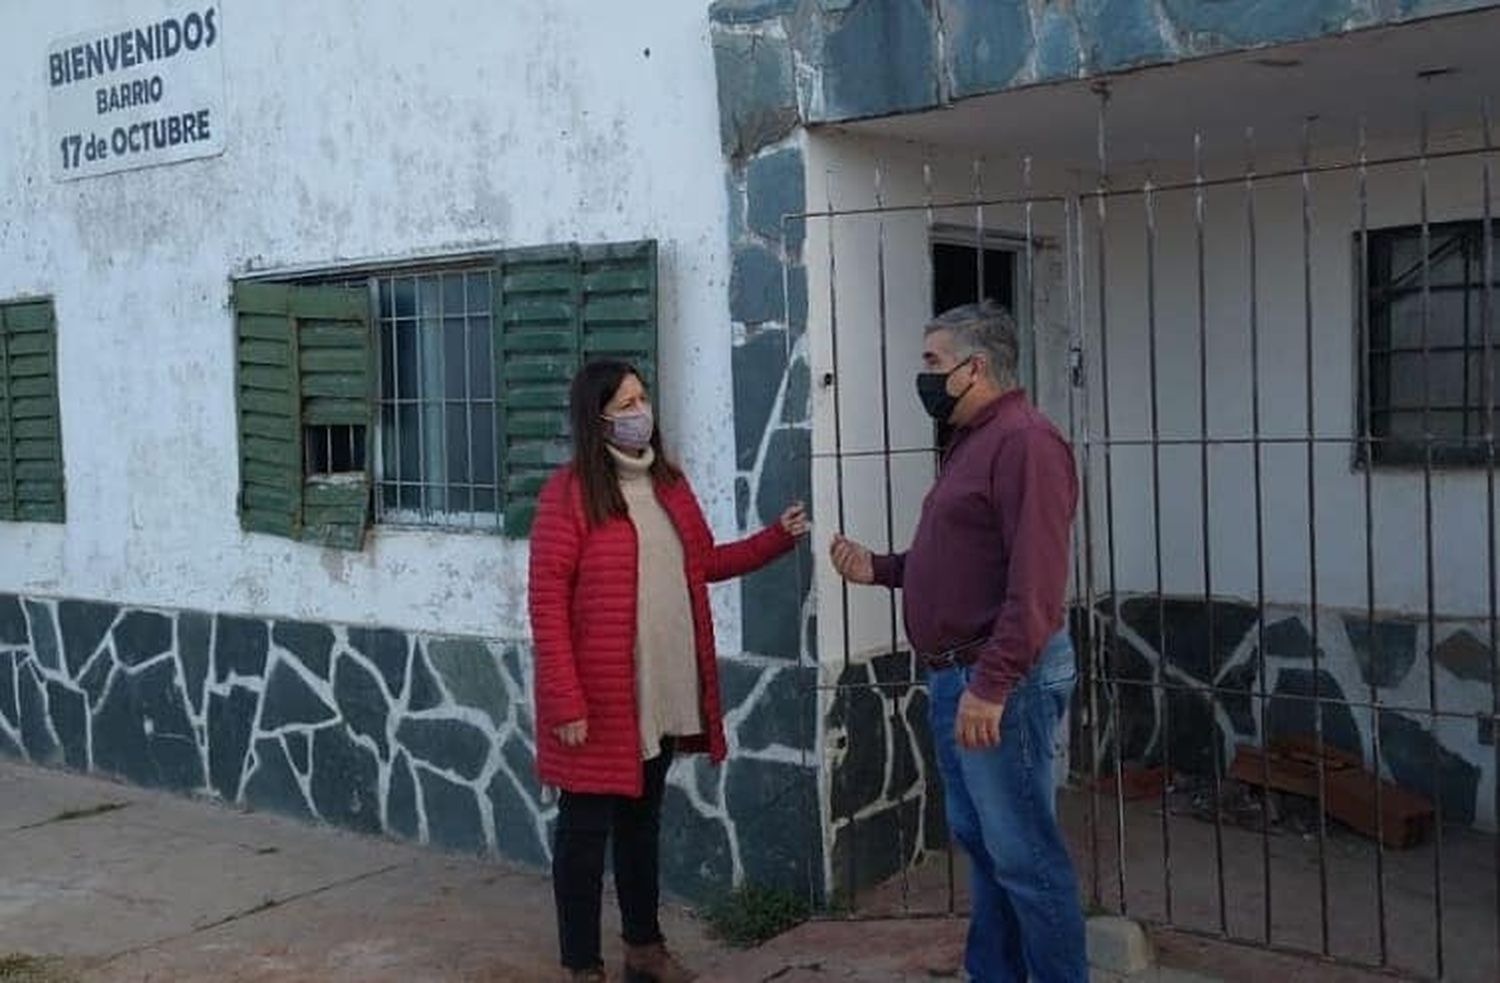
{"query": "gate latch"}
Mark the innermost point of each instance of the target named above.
(1075, 365)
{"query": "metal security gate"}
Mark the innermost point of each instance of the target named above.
(1278, 366)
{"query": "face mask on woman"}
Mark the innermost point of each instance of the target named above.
(630, 431)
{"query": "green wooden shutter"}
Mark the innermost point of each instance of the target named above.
(31, 465)
(270, 410)
(554, 307)
(304, 359)
(537, 311)
(619, 305)
(336, 367)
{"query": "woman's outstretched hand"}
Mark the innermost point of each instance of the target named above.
(794, 520)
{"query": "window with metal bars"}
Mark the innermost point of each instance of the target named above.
(435, 446)
(332, 450)
(429, 394)
(1433, 348)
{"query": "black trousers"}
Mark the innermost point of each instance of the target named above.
(585, 825)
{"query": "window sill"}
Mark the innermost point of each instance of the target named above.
(477, 524)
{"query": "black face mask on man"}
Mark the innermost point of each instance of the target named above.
(932, 390)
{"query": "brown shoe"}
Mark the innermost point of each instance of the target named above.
(595, 975)
(655, 964)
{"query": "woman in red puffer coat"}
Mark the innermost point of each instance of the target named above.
(626, 671)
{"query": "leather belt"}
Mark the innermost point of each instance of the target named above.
(965, 654)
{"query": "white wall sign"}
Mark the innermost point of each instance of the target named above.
(143, 94)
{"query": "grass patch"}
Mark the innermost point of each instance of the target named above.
(18, 967)
(752, 914)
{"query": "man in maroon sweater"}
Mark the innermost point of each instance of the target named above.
(984, 586)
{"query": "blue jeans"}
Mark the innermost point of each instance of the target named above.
(1027, 921)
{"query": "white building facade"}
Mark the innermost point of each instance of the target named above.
(150, 634)
(333, 624)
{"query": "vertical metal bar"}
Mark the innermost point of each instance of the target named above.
(469, 402)
(1468, 343)
(838, 482)
(806, 722)
(1428, 551)
(1487, 377)
(1034, 383)
(1260, 533)
(497, 422)
(1367, 452)
(979, 257)
(1200, 208)
(1102, 202)
(421, 394)
(442, 392)
(376, 441)
(396, 382)
(1148, 195)
(1312, 529)
(882, 322)
(927, 200)
(1073, 217)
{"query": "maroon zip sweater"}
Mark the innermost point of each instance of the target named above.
(990, 556)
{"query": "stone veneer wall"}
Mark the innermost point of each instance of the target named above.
(765, 183)
(886, 803)
(1391, 663)
(772, 405)
(885, 799)
(379, 731)
(820, 61)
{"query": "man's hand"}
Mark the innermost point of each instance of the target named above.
(573, 734)
(978, 723)
(853, 562)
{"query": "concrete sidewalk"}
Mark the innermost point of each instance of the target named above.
(131, 885)
(125, 884)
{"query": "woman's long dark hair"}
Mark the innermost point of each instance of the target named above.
(593, 387)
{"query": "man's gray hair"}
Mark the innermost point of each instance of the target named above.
(987, 329)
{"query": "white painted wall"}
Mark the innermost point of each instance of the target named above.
(1458, 497)
(354, 131)
(1460, 574)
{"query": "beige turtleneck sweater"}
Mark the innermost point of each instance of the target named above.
(666, 667)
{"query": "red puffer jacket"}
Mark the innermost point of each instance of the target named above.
(583, 622)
